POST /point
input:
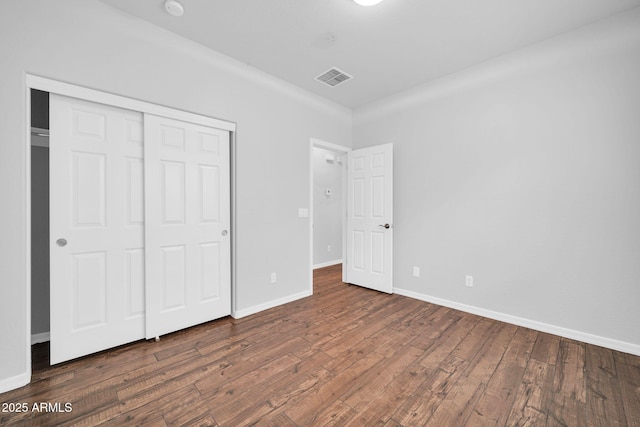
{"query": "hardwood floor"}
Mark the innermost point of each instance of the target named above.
(346, 356)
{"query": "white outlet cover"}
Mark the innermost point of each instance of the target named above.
(416, 271)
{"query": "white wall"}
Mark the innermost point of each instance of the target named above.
(327, 210)
(524, 172)
(87, 43)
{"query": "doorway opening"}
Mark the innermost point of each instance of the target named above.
(39, 164)
(328, 204)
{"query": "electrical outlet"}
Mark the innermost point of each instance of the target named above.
(273, 277)
(416, 271)
(468, 281)
(328, 248)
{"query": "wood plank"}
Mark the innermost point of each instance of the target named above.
(179, 400)
(475, 339)
(567, 402)
(569, 378)
(388, 314)
(245, 365)
(319, 398)
(546, 348)
(605, 406)
(629, 380)
(496, 404)
(230, 395)
(405, 329)
(437, 385)
(369, 386)
(392, 423)
(277, 420)
(486, 360)
(458, 404)
(531, 400)
(271, 396)
(403, 389)
(440, 349)
(337, 414)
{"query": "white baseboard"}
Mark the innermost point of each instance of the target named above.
(15, 382)
(527, 323)
(327, 264)
(267, 305)
(41, 337)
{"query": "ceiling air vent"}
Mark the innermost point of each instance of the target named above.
(333, 77)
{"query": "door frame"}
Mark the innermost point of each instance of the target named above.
(313, 143)
(93, 95)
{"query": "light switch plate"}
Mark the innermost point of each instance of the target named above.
(303, 212)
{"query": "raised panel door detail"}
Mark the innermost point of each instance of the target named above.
(358, 198)
(358, 250)
(209, 183)
(377, 160)
(134, 132)
(209, 142)
(134, 282)
(173, 192)
(210, 278)
(89, 290)
(377, 197)
(134, 189)
(172, 138)
(377, 252)
(87, 124)
(358, 164)
(174, 277)
(89, 190)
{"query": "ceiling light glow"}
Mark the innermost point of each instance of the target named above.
(367, 2)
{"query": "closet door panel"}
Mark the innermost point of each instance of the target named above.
(187, 199)
(97, 230)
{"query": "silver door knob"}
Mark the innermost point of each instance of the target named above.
(384, 225)
(61, 242)
(224, 232)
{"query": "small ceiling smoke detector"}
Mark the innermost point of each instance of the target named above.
(333, 77)
(367, 2)
(174, 7)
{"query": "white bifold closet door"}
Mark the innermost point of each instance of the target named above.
(187, 224)
(139, 214)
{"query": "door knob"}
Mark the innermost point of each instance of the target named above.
(224, 232)
(61, 242)
(384, 225)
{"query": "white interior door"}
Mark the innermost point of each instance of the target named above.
(369, 251)
(187, 222)
(97, 227)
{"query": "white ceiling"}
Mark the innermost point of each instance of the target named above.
(388, 48)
